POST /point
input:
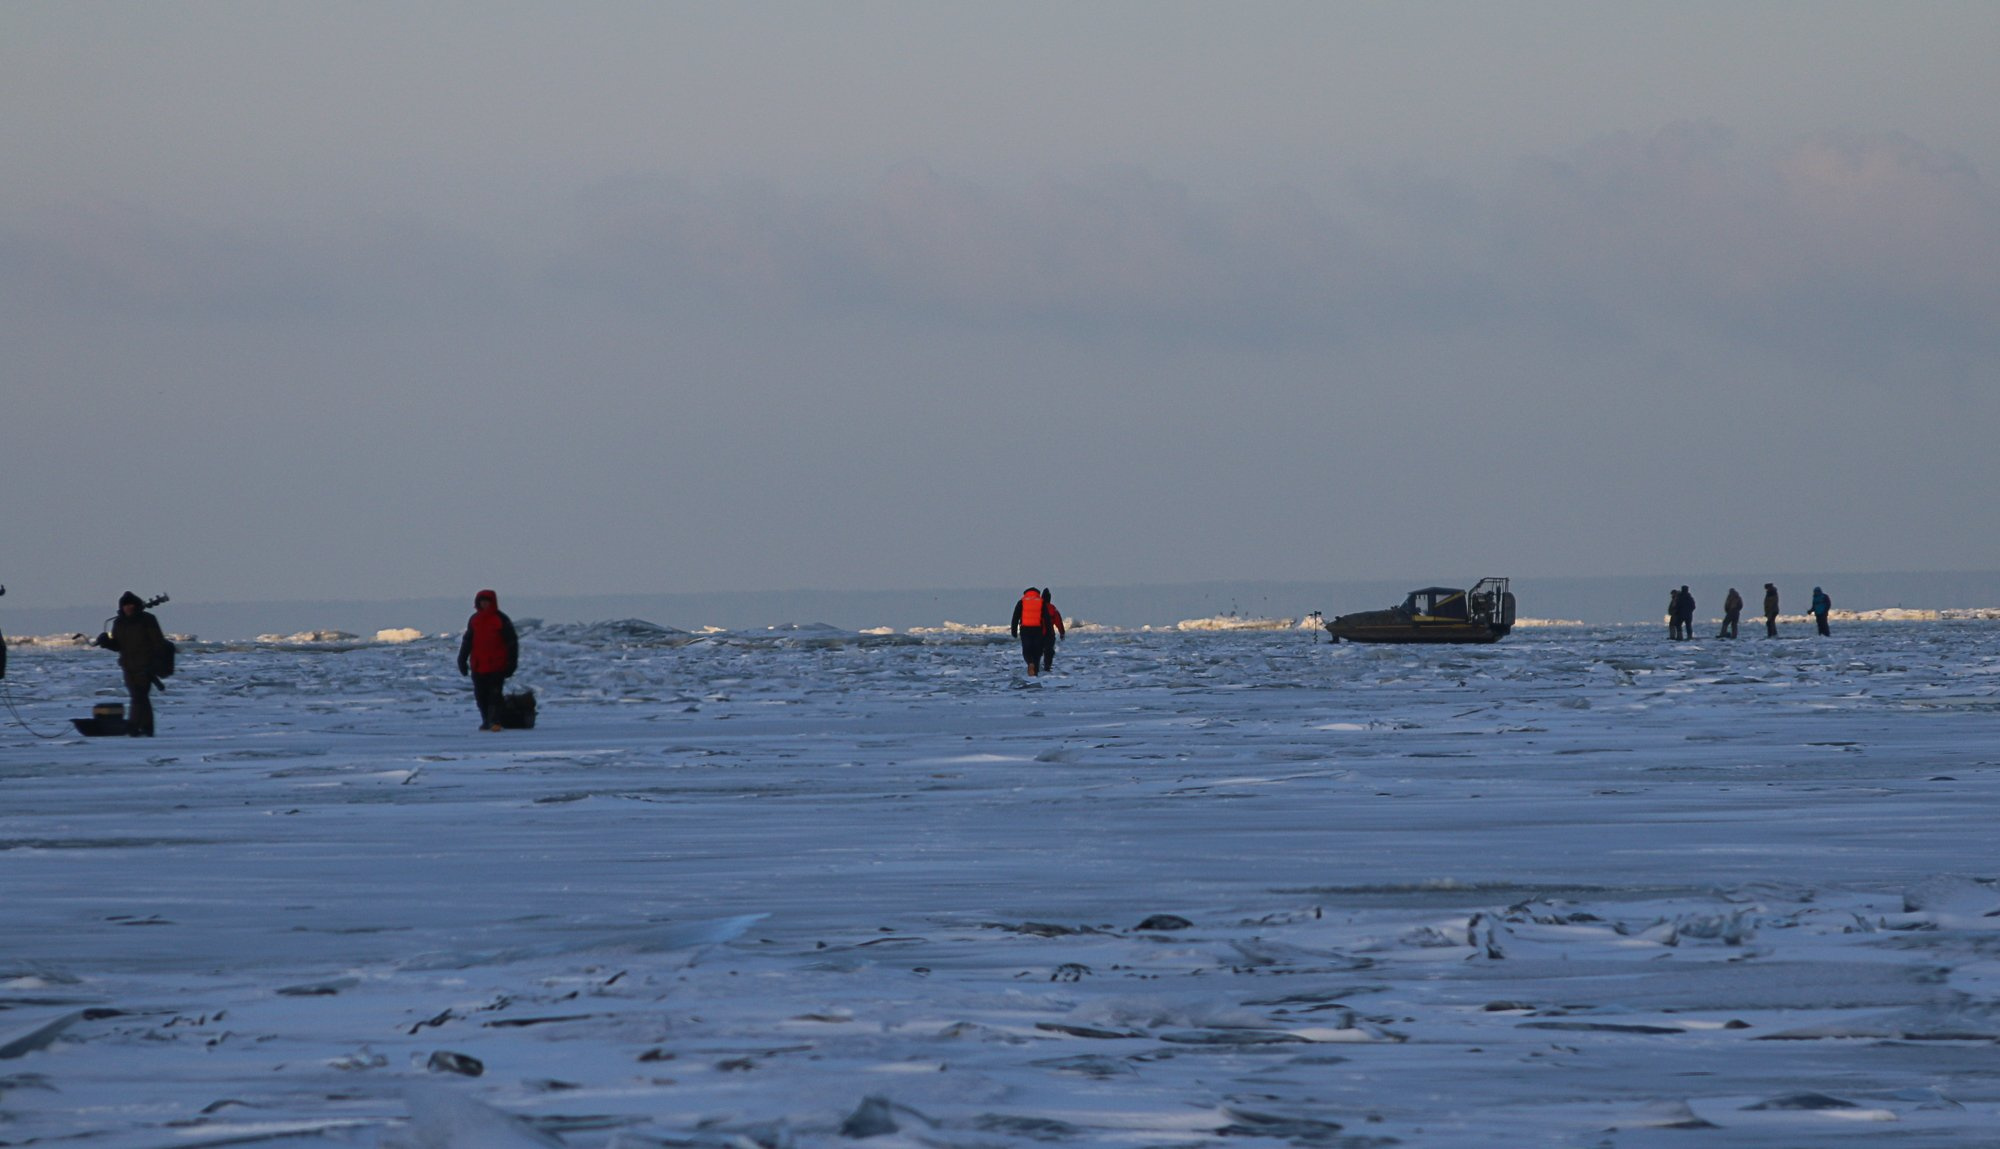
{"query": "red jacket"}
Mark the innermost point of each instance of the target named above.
(490, 645)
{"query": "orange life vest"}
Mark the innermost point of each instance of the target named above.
(1031, 609)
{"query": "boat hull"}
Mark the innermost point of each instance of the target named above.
(1362, 628)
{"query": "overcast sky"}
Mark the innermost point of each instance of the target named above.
(383, 300)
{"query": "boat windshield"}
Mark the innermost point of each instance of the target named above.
(1435, 602)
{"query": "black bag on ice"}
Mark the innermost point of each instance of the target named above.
(517, 711)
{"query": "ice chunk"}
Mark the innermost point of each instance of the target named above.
(1231, 622)
(441, 1118)
(1666, 1115)
(874, 1117)
(675, 936)
(28, 1040)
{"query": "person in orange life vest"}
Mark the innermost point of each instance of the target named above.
(1030, 626)
(1054, 627)
(490, 652)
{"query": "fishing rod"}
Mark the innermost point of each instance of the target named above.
(7, 693)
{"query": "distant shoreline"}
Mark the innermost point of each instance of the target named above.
(1226, 605)
(397, 636)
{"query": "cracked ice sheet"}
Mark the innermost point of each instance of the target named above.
(1581, 888)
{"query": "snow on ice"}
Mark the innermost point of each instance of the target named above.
(1583, 888)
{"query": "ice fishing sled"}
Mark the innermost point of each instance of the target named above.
(1435, 614)
(107, 720)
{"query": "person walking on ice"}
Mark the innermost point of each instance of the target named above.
(1770, 610)
(1821, 604)
(1732, 613)
(490, 652)
(1029, 624)
(1051, 630)
(142, 646)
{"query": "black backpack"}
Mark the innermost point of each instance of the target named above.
(163, 658)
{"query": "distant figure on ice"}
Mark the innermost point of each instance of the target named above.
(3, 646)
(1682, 614)
(141, 645)
(1770, 610)
(1673, 614)
(1732, 613)
(1820, 605)
(1052, 630)
(1030, 626)
(490, 652)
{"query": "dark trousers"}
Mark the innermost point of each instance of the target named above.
(1770, 626)
(1729, 621)
(489, 691)
(1821, 620)
(1031, 645)
(139, 715)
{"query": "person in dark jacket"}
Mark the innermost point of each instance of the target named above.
(1673, 614)
(1030, 625)
(1821, 604)
(1683, 613)
(136, 635)
(490, 652)
(1054, 629)
(1732, 613)
(1770, 610)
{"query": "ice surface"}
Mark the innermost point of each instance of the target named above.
(1584, 887)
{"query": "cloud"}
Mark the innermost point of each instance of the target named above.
(117, 259)
(1119, 251)
(1834, 245)
(1866, 254)
(1848, 243)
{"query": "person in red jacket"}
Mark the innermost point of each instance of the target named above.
(490, 652)
(1030, 626)
(1052, 630)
